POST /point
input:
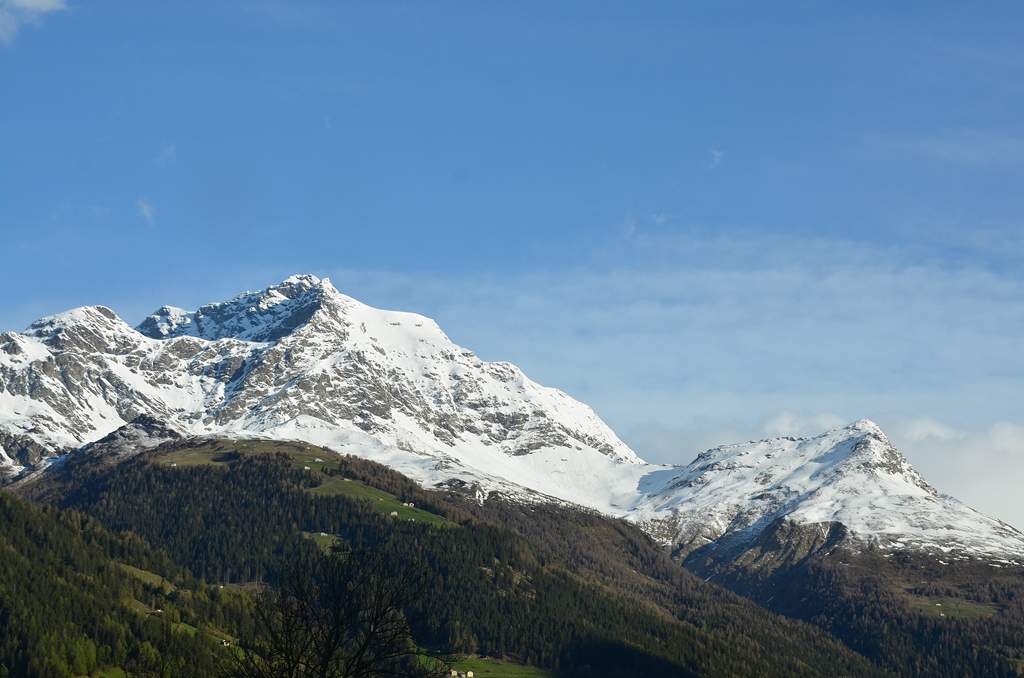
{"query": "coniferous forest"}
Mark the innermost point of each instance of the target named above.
(161, 568)
(75, 598)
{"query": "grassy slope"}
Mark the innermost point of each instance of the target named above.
(486, 667)
(317, 461)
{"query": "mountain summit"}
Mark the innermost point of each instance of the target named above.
(264, 316)
(301, 361)
(849, 486)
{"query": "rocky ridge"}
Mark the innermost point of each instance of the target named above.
(848, 487)
(301, 361)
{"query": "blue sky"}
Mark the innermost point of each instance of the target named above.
(711, 221)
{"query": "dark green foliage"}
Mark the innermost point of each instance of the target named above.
(64, 600)
(490, 591)
(866, 600)
(337, 615)
(619, 555)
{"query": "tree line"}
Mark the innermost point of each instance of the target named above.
(489, 590)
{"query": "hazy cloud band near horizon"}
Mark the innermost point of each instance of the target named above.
(730, 339)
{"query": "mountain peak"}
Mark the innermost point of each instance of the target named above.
(866, 426)
(92, 328)
(300, 360)
(261, 316)
(851, 476)
(45, 327)
(302, 283)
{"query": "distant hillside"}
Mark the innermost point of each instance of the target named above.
(512, 493)
(75, 599)
(230, 511)
(300, 361)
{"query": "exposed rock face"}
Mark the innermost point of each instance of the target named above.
(301, 361)
(141, 433)
(264, 316)
(297, 360)
(776, 500)
(22, 450)
(783, 544)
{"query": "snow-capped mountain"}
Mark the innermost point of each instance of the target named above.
(849, 486)
(301, 361)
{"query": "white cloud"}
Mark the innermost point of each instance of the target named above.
(789, 423)
(69, 211)
(982, 467)
(716, 158)
(699, 342)
(922, 429)
(36, 6)
(986, 149)
(168, 155)
(665, 444)
(146, 211)
(822, 328)
(16, 13)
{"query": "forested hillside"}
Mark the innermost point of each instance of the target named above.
(913, 614)
(147, 563)
(74, 599)
(232, 516)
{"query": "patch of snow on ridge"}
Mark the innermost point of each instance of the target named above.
(166, 322)
(10, 465)
(46, 326)
(852, 475)
(18, 349)
(253, 316)
(301, 361)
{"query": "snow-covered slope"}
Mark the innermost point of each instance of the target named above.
(726, 498)
(301, 361)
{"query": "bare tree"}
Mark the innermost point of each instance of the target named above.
(340, 615)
